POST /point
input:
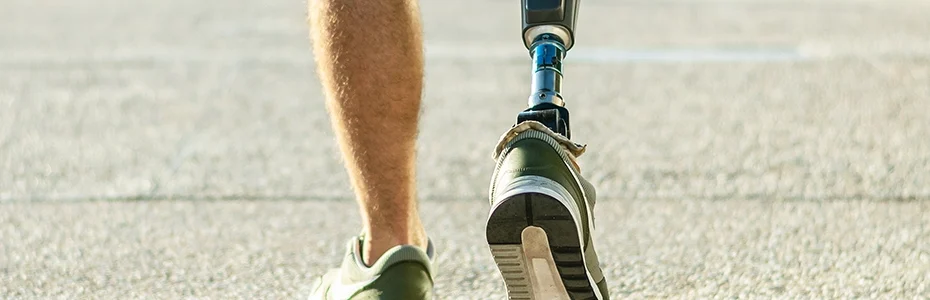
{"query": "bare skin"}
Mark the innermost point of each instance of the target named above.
(370, 61)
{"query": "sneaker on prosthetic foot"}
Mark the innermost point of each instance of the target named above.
(403, 272)
(541, 219)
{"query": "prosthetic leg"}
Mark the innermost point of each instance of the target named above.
(548, 33)
(540, 225)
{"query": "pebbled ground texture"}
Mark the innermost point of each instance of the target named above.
(179, 149)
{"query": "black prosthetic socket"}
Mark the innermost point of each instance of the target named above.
(550, 16)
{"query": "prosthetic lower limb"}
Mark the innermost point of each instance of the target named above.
(548, 33)
(540, 224)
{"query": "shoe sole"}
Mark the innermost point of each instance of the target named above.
(535, 240)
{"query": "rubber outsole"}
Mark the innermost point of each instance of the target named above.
(530, 233)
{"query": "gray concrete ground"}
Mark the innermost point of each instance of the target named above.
(650, 249)
(171, 149)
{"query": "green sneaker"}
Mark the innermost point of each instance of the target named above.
(403, 272)
(540, 223)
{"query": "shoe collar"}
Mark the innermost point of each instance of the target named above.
(575, 149)
(394, 255)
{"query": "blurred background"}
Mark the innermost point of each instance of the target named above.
(740, 148)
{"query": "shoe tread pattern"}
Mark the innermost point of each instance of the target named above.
(504, 236)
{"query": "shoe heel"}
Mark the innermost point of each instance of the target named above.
(528, 269)
(535, 242)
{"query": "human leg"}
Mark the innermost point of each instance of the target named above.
(370, 61)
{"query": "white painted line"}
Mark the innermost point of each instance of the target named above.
(465, 52)
(615, 55)
(683, 55)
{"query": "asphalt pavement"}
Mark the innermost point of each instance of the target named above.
(741, 149)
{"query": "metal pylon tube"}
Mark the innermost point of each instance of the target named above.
(547, 53)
